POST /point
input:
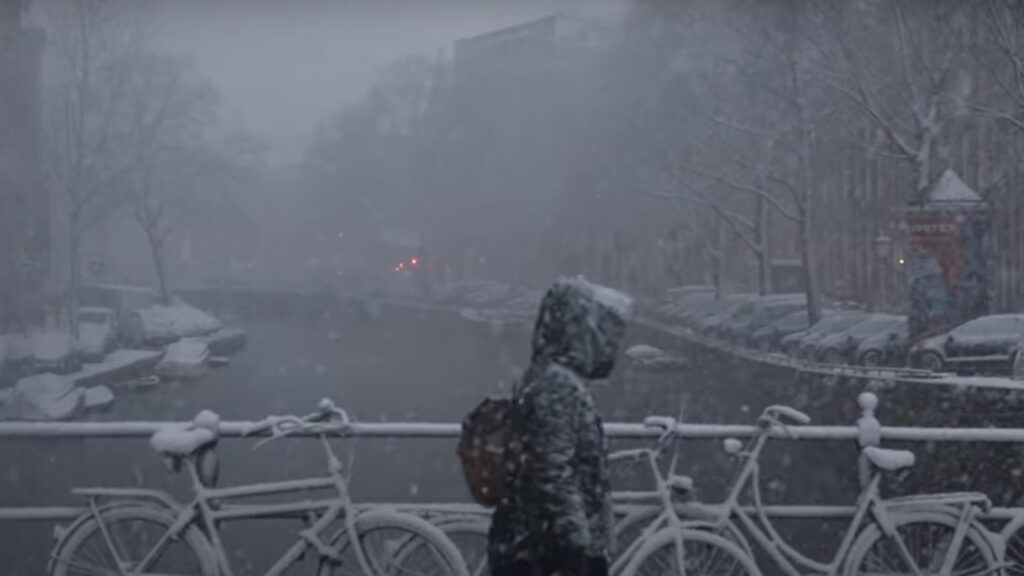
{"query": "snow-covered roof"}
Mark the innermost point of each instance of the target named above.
(950, 188)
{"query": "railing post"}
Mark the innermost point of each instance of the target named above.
(869, 433)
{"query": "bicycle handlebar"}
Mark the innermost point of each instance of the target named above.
(778, 411)
(328, 418)
(666, 423)
(634, 454)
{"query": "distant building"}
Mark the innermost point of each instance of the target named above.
(523, 45)
(24, 202)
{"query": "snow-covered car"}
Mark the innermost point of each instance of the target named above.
(985, 343)
(650, 357)
(161, 325)
(97, 332)
(767, 337)
(186, 359)
(886, 349)
(15, 357)
(764, 311)
(694, 312)
(840, 348)
(677, 306)
(42, 397)
(712, 318)
(736, 320)
(801, 344)
(55, 352)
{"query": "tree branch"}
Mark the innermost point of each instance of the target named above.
(774, 202)
(901, 28)
(860, 97)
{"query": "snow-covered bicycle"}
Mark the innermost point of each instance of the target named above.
(130, 532)
(915, 535)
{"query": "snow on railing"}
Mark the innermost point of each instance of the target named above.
(867, 432)
(56, 430)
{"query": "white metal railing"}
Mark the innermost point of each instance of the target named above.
(867, 431)
(236, 429)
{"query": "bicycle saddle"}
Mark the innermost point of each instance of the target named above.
(186, 439)
(889, 460)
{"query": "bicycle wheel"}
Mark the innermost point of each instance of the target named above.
(1014, 555)
(394, 544)
(927, 536)
(470, 537)
(629, 529)
(137, 534)
(703, 554)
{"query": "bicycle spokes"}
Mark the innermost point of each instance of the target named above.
(922, 548)
(700, 559)
(129, 547)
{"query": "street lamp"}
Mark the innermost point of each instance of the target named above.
(883, 251)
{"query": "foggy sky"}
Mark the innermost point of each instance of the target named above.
(282, 67)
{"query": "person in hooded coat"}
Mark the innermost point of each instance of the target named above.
(557, 516)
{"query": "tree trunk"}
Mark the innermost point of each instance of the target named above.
(74, 272)
(764, 269)
(156, 247)
(718, 268)
(810, 279)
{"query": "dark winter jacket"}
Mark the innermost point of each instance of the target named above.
(559, 510)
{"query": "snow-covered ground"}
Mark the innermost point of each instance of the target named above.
(49, 396)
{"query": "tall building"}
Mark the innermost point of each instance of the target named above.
(24, 203)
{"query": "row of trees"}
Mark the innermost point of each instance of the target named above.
(127, 130)
(828, 116)
(696, 141)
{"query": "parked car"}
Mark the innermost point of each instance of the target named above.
(710, 323)
(886, 349)
(839, 348)
(680, 305)
(767, 337)
(97, 332)
(186, 359)
(690, 289)
(696, 312)
(765, 311)
(122, 299)
(16, 357)
(981, 344)
(56, 352)
(801, 344)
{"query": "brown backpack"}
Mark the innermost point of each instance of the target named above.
(481, 450)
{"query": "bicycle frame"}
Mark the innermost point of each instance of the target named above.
(206, 510)
(730, 516)
(791, 560)
(667, 517)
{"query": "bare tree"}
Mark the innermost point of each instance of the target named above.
(772, 120)
(83, 161)
(168, 119)
(904, 66)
